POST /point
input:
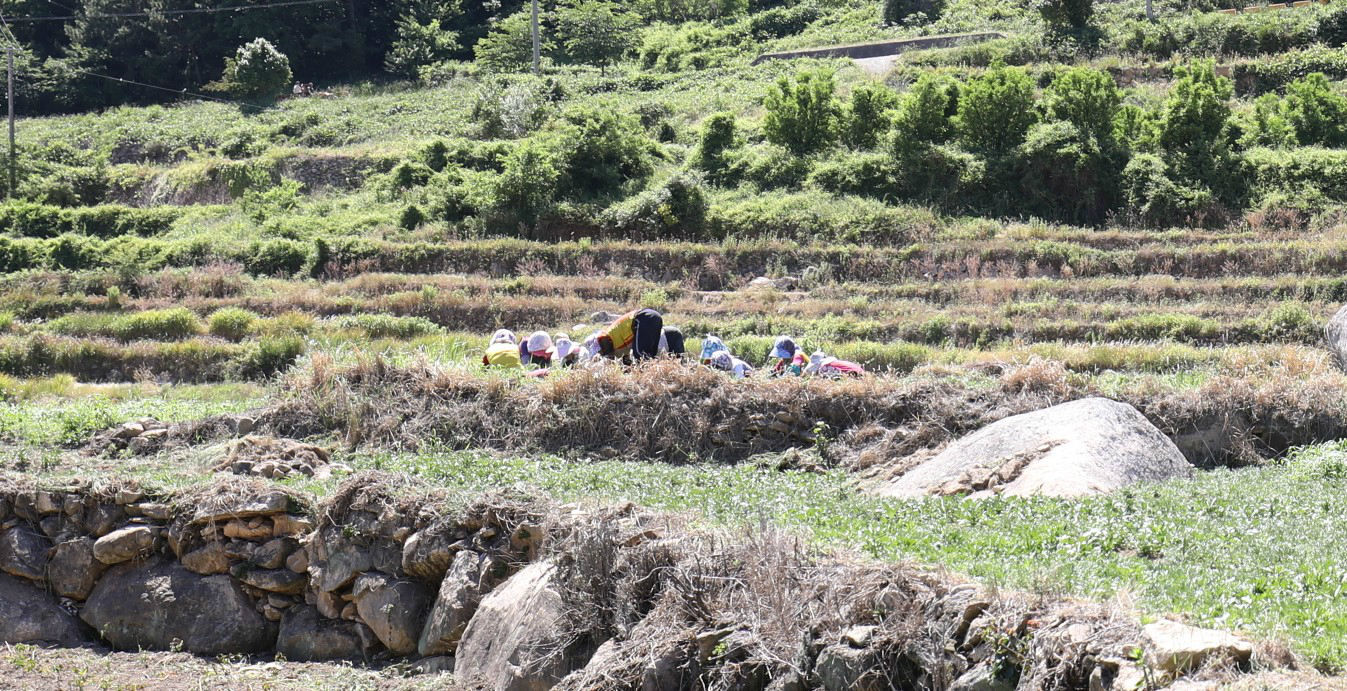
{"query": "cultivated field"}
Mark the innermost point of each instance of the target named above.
(302, 294)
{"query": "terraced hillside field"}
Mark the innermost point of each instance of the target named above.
(241, 347)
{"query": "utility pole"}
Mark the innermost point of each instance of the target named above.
(13, 155)
(537, 43)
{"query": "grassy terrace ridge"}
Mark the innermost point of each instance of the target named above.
(1100, 203)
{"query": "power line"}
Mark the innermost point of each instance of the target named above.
(167, 13)
(180, 92)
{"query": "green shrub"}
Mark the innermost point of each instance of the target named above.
(996, 110)
(411, 218)
(17, 255)
(277, 257)
(1265, 125)
(674, 210)
(162, 325)
(719, 137)
(1088, 99)
(257, 73)
(769, 167)
(595, 32)
(905, 11)
(232, 323)
(115, 220)
(75, 252)
(1316, 112)
(1195, 130)
(508, 47)
(867, 116)
(388, 326)
(855, 172)
(31, 219)
(270, 356)
(1153, 197)
(528, 186)
(602, 150)
(802, 114)
(1063, 173)
(780, 22)
(926, 112)
(418, 44)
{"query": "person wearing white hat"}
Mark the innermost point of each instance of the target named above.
(823, 365)
(501, 350)
(565, 352)
(722, 360)
(535, 350)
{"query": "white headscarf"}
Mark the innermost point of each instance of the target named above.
(504, 336)
(565, 346)
(539, 342)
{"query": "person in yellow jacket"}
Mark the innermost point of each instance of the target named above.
(636, 333)
(502, 351)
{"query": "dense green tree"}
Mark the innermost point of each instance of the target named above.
(719, 137)
(527, 186)
(605, 148)
(1316, 112)
(595, 32)
(1067, 16)
(996, 110)
(802, 114)
(925, 113)
(419, 45)
(1088, 99)
(509, 45)
(867, 115)
(1195, 128)
(258, 73)
(1266, 125)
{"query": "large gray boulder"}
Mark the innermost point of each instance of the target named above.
(30, 615)
(460, 593)
(392, 608)
(23, 552)
(1336, 334)
(73, 569)
(509, 643)
(158, 605)
(1089, 446)
(307, 637)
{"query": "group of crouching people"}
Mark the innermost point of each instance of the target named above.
(641, 335)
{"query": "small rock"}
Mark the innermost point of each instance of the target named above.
(50, 526)
(440, 664)
(287, 525)
(128, 431)
(30, 615)
(1179, 649)
(242, 531)
(124, 544)
(279, 601)
(207, 560)
(46, 504)
(101, 519)
(328, 605)
(982, 678)
(858, 636)
(271, 613)
(265, 504)
(349, 612)
(156, 511)
(272, 554)
(298, 561)
(271, 580)
(73, 569)
(24, 553)
(244, 425)
(128, 496)
(240, 550)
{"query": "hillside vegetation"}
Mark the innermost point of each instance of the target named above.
(1099, 203)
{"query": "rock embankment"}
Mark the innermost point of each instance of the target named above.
(1089, 446)
(514, 592)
